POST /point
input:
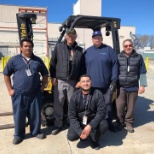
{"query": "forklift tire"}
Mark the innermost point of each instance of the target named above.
(47, 111)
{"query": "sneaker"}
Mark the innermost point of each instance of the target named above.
(17, 140)
(40, 136)
(95, 145)
(130, 128)
(55, 130)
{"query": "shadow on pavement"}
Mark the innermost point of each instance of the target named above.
(45, 130)
(142, 113)
(112, 139)
(107, 139)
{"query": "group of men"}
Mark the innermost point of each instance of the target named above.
(85, 79)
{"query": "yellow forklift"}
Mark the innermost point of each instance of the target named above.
(25, 21)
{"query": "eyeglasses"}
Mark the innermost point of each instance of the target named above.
(126, 46)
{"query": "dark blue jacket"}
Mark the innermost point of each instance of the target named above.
(101, 65)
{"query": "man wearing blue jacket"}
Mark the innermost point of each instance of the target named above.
(26, 90)
(101, 65)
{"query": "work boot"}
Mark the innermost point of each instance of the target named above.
(130, 128)
(55, 130)
(17, 140)
(120, 126)
(40, 136)
(95, 145)
(112, 128)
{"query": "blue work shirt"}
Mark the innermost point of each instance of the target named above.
(22, 83)
(102, 66)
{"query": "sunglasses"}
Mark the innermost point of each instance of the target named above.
(126, 46)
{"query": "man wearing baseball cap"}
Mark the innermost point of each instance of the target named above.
(66, 66)
(102, 67)
(96, 33)
(71, 31)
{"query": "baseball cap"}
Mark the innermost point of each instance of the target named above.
(71, 31)
(96, 33)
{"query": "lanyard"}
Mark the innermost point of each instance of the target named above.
(86, 100)
(27, 62)
(128, 64)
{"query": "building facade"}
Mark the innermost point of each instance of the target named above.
(9, 40)
(46, 34)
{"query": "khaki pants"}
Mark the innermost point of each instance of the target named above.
(125, 104)
(62, 91)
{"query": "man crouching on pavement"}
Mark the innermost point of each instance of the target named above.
(86, 113)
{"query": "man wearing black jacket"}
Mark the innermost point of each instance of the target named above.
(87, 113)
(66, 66)
(132, 81)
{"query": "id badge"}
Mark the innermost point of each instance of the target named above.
(28, 72)
(128, 68)
(84, 120)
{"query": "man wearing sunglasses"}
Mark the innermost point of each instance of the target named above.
(131, 70)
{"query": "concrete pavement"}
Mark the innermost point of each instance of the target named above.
(139, 142)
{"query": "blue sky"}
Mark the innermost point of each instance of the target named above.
(132, 13)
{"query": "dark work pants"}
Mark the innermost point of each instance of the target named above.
(27, 106)
(125, 104)
(94, 134)
(108, 101)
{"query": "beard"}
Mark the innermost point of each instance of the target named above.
(85, 90)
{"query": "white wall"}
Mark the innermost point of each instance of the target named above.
(76, 8)
(88, 7)
(53, 30)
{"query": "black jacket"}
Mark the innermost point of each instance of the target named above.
(129, 69)
(59, 64)
(96, 110)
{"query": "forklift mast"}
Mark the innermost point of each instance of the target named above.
(25, 21)
(112, 25)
